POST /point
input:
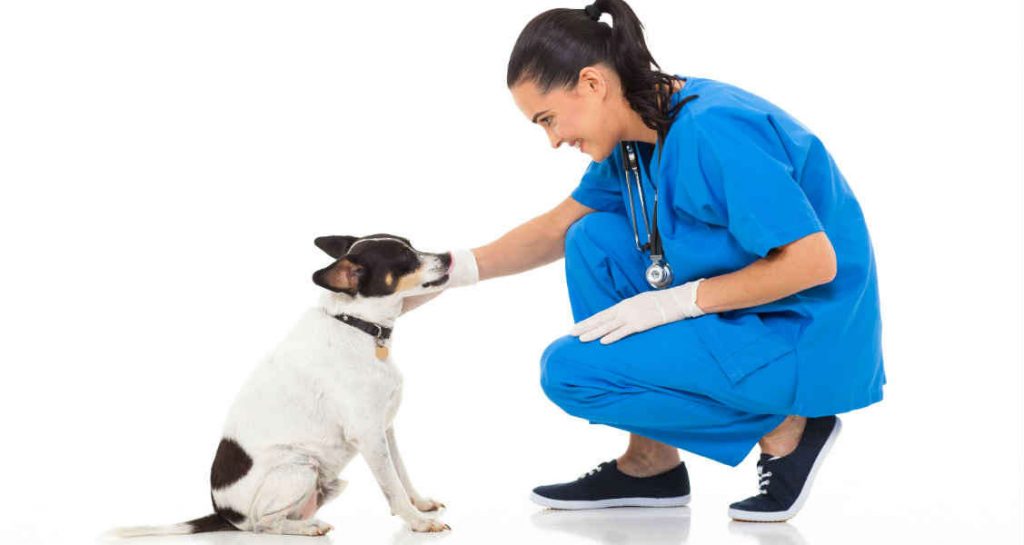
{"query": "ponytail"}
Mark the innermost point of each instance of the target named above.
(558, 43)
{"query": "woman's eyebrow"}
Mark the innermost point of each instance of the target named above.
(538, 114)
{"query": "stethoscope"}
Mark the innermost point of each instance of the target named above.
(658, 274)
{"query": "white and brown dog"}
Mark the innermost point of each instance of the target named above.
(326, 393)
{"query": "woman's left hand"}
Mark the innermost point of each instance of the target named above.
(640, 312)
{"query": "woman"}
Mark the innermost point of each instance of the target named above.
(769, 324)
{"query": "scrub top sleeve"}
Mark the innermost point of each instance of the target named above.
(747, 170)
(600, 187)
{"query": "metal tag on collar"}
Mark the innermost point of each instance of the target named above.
(380, 351)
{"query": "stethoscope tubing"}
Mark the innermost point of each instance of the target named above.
(658, 274)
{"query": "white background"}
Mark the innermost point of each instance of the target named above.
(165, 167)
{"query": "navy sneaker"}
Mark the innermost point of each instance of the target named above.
(606, 486)
(785, 482)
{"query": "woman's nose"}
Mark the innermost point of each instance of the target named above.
(554, 139)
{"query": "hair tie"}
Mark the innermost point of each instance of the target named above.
(593, 11)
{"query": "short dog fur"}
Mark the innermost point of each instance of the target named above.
(326, 393)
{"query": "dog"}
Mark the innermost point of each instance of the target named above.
(329, 391)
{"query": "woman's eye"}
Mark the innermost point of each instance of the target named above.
(547, 120)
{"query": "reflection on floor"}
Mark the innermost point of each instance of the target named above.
(668, 526)
(652, 526)
(617, 526)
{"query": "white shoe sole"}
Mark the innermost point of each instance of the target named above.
(677, 501)
(782, 516)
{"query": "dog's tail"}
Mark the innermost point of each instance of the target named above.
(209, 523)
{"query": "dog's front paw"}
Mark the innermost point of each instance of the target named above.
(428, 525)
(426, 504)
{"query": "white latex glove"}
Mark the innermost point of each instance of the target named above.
(641, 312)
(464, 272)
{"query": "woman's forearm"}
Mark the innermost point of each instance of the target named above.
(789, 269)
(532, 244)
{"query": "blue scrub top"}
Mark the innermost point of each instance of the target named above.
(737, 177)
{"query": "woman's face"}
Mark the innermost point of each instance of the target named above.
(582, 117)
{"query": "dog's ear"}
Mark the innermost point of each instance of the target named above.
(342, 276)
(335, 245)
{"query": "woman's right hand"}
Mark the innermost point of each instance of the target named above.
(463, 272)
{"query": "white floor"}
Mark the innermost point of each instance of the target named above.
(522, 523)
(839, 511)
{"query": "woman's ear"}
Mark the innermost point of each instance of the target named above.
(593, 80)
(335, 245)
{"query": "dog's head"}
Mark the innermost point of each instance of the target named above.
(380, 265)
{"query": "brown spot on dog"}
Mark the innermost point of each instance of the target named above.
(408, 281)
(389, 279)
(229, 465)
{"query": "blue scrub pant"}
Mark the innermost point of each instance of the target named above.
(664, 383)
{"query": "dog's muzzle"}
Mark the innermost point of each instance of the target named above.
(437, 282)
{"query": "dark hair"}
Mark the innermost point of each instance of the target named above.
(557, 44)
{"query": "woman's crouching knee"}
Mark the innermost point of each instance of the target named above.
(560, 374)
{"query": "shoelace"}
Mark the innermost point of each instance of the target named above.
(763, 479)
(591, 472)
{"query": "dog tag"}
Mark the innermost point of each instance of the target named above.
(382, 353)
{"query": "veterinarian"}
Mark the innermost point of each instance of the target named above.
(769, 323)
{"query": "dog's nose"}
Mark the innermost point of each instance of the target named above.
(446, 260)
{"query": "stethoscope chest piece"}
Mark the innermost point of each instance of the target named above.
(659, 274)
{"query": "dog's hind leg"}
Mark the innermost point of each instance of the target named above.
(309, 527)
(286, 501)
(328, 490)
(330, 486)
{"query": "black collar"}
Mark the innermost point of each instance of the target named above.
(378, 332)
